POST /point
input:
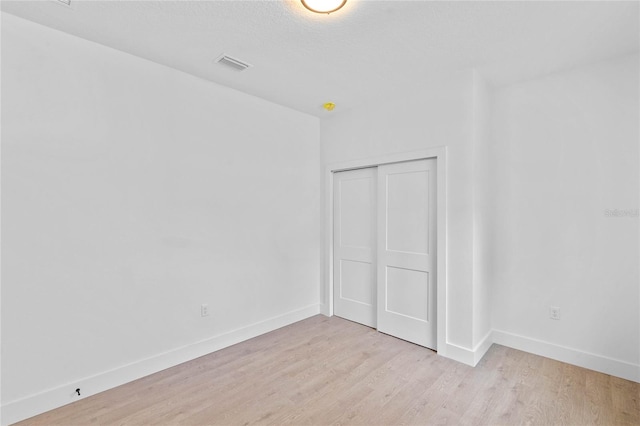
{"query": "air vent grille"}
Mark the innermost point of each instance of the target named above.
(234, 63)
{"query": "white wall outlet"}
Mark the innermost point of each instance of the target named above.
(554, 312)
(204, 310)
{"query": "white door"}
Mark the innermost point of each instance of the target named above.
(407, 251)
(354, 246)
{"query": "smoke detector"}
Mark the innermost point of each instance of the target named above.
(233, 63)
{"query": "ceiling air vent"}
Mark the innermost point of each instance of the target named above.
(234, 63)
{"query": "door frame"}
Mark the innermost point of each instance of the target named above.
(440, 155)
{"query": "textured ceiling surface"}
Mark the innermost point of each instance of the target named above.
(365, 52)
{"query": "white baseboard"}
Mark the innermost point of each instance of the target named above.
(467, 356)
(603, 364)
(481, 348)
(32, 405)
(324, 310)
(456, 353)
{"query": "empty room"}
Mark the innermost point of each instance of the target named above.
(320, 212)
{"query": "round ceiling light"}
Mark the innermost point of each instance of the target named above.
(323, 6)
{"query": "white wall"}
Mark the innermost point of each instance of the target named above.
(565, 149)
(132, 193)
(438, 113)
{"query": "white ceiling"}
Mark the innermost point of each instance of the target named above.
(365, 52)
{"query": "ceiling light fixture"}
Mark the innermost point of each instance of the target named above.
(323, 6)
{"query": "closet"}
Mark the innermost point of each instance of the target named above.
(384, 250)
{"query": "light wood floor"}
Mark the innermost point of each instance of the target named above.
(331, 371)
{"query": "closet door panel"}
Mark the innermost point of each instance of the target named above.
(354, 247)
(406, 260)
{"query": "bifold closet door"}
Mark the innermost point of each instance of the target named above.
(406, 259)
(354, 246)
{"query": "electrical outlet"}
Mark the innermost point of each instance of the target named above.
(204, 310)
(554, 312)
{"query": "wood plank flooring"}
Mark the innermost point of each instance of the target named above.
(329, 371)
